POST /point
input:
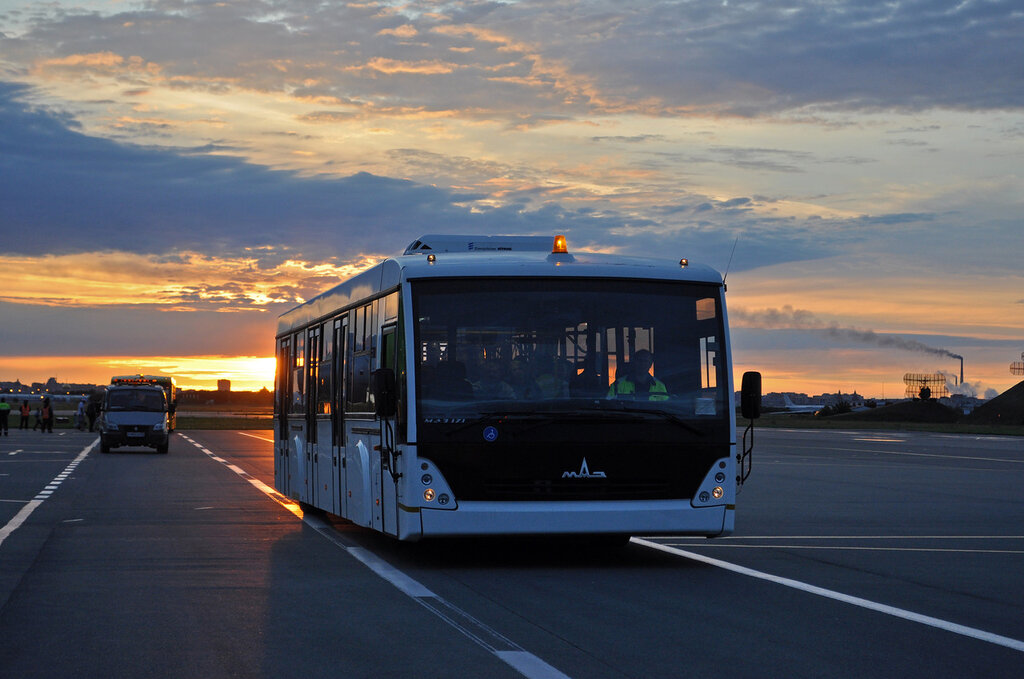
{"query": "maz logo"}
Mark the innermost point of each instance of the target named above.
(584, 473)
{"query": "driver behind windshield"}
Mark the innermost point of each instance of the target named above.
(637, 383)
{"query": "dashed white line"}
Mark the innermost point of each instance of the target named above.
(43, 495)
(524, 662)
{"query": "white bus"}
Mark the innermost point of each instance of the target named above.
(487, 385)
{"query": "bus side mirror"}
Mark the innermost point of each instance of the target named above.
(750, 395)
(384, 401)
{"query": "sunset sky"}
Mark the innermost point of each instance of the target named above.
(174, 175)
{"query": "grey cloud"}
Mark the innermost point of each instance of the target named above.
(635, 139)
(89, 194)
(662, 57)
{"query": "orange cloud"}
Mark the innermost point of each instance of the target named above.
(190, 281)
(392, 66)
(406, 31)
(103, 62)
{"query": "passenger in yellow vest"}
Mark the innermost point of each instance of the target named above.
(638, 384)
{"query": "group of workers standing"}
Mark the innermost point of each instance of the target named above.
(44, 415)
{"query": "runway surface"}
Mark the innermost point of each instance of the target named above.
(856, 554)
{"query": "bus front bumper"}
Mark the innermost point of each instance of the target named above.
(649, 517)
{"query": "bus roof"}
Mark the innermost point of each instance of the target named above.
(488, 256)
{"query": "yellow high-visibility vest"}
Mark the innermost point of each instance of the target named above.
(625, 388)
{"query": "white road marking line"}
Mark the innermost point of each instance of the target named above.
(852, 548)
(505, 650)
(904, 453)
(261, 438)
(882, 440)
(853, 537)
(521, 660)
(938, 623)
(32, 504)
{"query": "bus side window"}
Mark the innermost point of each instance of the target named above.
(360, 356)
(298, 401)
(326, 373)
(284, 368)
(338, 393)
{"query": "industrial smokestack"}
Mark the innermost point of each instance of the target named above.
(961, 370)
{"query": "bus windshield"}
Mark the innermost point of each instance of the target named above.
(518, 347)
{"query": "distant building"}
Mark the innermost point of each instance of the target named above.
(855, 400)
(51, 386)
(223, 385)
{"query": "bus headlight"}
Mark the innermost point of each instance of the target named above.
(717, 492)
(428, 495)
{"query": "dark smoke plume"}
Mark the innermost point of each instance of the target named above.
(799, 319)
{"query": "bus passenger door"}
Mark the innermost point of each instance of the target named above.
(325, 453)
(386, 483)
(298, 470)
(283, 390)
(362, 436)
(314, 486)
(339, 331)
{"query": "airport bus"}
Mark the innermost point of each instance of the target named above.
(165, 382)
(477, 385)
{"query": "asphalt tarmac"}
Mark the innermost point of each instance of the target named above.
(856, 554)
